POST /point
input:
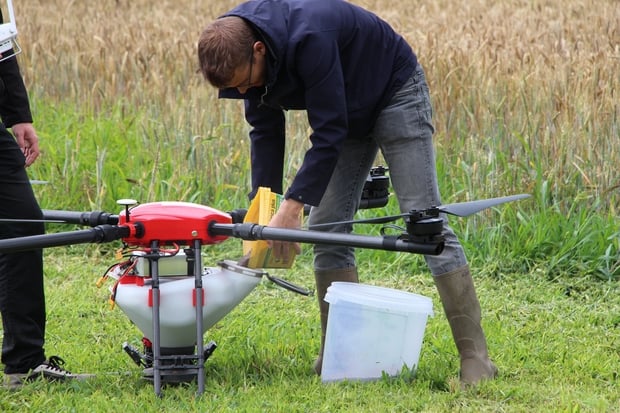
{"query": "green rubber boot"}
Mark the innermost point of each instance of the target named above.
(460, 303)
(324, 279)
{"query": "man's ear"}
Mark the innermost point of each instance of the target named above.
(260, 47)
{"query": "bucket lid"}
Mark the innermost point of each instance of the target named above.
(379, 297)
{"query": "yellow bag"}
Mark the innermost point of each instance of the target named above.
(262, 208)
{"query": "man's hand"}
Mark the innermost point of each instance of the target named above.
(287, 217)
(27, 140)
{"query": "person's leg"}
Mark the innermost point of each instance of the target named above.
(22, 300)
(458, 297)
(325, 278)
(404, 133)
(339, 203)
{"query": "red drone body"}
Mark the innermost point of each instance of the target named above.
(172, 222)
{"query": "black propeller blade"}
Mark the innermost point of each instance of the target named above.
(376, 220)
(461, 209)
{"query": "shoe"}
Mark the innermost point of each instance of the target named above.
(51, 369)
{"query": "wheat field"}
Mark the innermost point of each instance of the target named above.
(534, 80)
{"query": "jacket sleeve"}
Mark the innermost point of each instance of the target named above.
(14, 102)
(267, 140)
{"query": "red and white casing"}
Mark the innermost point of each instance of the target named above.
(224, 287)
(173, 222)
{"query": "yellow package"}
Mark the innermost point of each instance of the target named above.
(262, 208)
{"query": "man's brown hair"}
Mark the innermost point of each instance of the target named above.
(223, 46)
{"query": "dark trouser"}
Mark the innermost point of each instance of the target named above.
(22, 300)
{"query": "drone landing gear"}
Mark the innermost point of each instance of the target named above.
(177, 365)
(167, 365)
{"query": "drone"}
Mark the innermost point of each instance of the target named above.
(164, 289)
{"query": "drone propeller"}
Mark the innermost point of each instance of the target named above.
(461, 209)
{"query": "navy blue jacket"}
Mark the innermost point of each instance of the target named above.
(339, 62)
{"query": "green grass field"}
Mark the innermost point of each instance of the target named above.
(526, 101)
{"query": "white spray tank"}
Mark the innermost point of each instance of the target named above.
(224, 287)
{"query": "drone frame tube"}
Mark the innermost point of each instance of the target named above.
(159, 369)
(251, 232)
(91, 219)
(98, 234)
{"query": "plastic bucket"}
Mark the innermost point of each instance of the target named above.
(372, 331)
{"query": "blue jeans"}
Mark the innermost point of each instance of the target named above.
(404, 133)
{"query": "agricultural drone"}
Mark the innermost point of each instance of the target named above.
(163, 287)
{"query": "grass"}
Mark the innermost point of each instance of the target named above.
(526, 100)
(556, 344)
